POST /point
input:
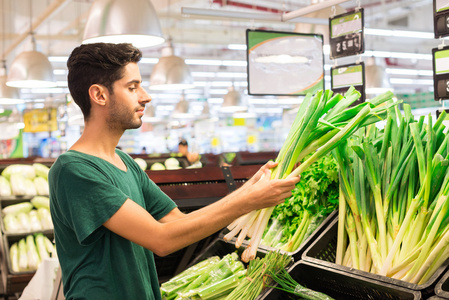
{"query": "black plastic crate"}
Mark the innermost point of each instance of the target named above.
(323, 252)
(442, 287)
(339, 285)
(221, 248)
(305, 244)
(174, 263)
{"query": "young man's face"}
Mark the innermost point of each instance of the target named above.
(127, 103)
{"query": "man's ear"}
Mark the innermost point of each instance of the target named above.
(98, 94)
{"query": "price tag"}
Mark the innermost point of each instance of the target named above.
(440, 60)
(342, 77)
(441, 18)
(346, 36)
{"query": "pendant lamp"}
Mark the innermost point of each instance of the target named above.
(181, 110)
(150, 114)
(8, 95)
(171, 72)
(31, 69)
(377, 80)
(232, 101)
(123, 21)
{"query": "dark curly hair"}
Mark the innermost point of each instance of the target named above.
(98, 63)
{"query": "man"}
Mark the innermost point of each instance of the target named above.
(109, 217)
(183, 148)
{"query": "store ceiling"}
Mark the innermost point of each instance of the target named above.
(59, 24)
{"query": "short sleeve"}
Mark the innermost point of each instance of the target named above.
(86, 197)
(158, 203)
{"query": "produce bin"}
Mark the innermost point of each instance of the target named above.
(220, 248)
(323, 252)
(15, 200)
(8, 240)
(305, 244)
(339, 285)
(442, 287)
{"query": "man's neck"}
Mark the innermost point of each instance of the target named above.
(98, 141)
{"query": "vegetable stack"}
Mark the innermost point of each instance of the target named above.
(323, 121)
(394, 186)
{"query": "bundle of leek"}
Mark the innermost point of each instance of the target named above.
(323, 121)
(394, 185)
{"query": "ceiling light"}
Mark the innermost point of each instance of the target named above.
(171, 72)
(377, 80)
(232, 101)
(31, 69)
(150, 114)
(8, 95)
(123, 21)
(181, 110)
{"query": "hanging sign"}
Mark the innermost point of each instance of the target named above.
(439, 113)
(40, 120)
(284, 63)
(440, 61)
(343, 77)
(346, 34)
(441, 18)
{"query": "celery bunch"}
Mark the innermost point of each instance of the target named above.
(212, 278)
(323, 122)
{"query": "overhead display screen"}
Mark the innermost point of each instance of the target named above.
(284, 63)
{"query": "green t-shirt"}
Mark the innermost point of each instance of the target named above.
(85, 191)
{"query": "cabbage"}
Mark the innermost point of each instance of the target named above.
(172, 163)
(41, 185)
(30, 188)
(18, 185)
(11, 224)
(14, 256)
(142, 163)
(45, 218)
(41, 170)
(35, 223)
(5, 187)
(27, 171)
(15, 209)
(23, 258)
(41, 201)
(157, 166)
(33, 256)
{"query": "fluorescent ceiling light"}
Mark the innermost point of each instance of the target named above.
(398, 55)
(400, 33)
(216, 62)
(410, 72)
(237, 47)
(411, 81)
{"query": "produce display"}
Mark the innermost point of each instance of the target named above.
(24, 180)
(258, 275)
(287, 284)
(27, 254)
(312, 200)
(28, 216)
(322, 123)
(394, 208)
(210, 279)
(141, 162)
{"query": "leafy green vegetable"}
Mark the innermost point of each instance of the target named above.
(316, 193)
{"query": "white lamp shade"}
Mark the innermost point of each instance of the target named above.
(8, 95)
(123, 21)
(31, 69)
(171, 73)
(232, 101)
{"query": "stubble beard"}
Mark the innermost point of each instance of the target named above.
(121, 119)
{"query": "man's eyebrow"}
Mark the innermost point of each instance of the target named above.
(134, 81)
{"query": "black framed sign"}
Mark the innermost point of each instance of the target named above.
(441, 18)
(342, 77)
(440, 62)
(284, 63)
(439, 112)
(346, 34)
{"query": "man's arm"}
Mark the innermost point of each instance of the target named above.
(176, 230)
